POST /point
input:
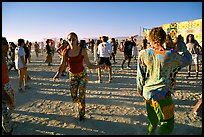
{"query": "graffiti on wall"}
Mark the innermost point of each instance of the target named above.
(185, 28)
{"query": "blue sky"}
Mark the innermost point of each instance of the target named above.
(37, 20)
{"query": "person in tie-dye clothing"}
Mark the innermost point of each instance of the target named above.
(154, 67)
(74, 56)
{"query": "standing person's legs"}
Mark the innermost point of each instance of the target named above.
(113, 55)
(82, 94)
(129, 60)
(196, 64)
(14, 66)
(125, 58)
(51, 59)
(101, 61)
(166, 127)
(110, 73)
(26, 59)
(161, 111)
(99, 74)
(20, 75)
(123, 63)
(189, 70)
(29, 56)
(74, 87)
(108, 63)
(197, 69)
(25, 77)
(166, 116)
(152, 118)
(6, 118)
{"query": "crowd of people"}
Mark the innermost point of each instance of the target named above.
(157, 66)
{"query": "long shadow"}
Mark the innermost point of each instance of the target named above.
(94, 126)
(189, 130)
(66, 97)
(189, 88)
(39, 129)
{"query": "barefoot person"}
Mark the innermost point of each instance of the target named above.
(104, 52)
(155, 65)
(74, 56)
(192, 46)
(20, 64)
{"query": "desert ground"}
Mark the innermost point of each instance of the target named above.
(111, 108)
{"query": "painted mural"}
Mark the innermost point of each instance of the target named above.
(182, 28)
(185, 28)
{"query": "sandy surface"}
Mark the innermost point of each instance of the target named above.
(111, 108)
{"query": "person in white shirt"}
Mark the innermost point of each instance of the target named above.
(104, 52)
(192, 46)
(97, 42)
(20, 64)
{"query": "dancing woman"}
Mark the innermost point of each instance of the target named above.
(75, 56)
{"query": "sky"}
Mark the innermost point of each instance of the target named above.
(34, 21)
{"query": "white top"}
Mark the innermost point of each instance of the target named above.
(191, 48)
(135, 51)
(19, 51)
(104, 49)
(95, 53)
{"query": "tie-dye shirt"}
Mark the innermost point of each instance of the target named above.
(154, 68)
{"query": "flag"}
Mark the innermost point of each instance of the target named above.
(146, 32)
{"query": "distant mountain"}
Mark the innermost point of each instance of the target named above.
(119, 38)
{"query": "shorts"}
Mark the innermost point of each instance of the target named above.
(195, 58)
(105, 60)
